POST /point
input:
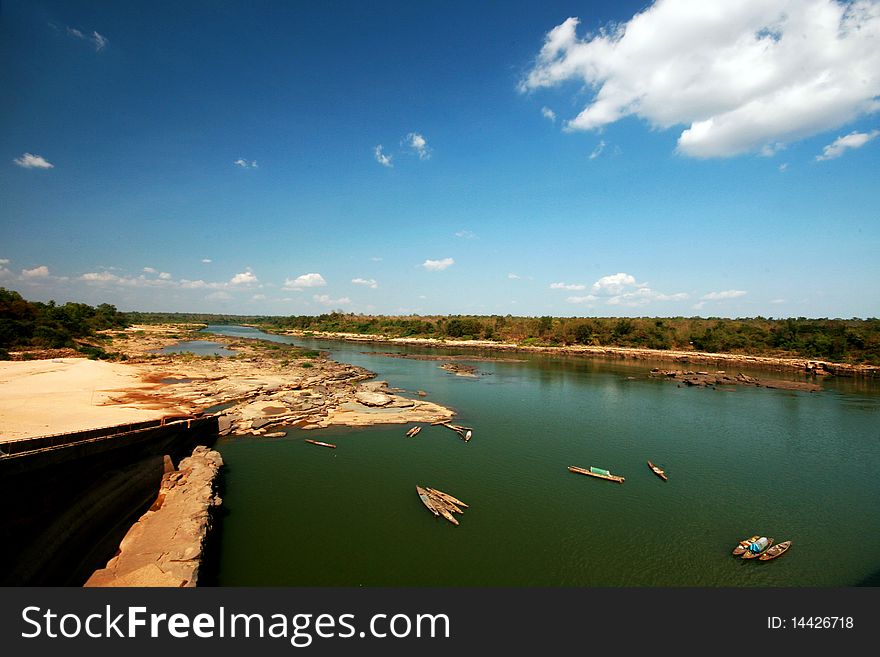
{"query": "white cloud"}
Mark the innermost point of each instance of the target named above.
(207, 261)
(4, 261)
(418, 143)
(98, 40)
(31, 161)
(149, 270)
(438, 265)
(514, 277)
(165, 276)
(783, 167)
(100, 277)
(466, 235)
(246, 164)
(598, 150)
(244, 278)
(567, 286)
(548, 113)
(325, 300)
(376, 259)
(726, 294)
(852, 140)
(588, 299)
(644, 295)
(742, 75)
(37, 272)
(614, 284)
(306, 280)
(382, 158)
(258, 297)
(368, 282)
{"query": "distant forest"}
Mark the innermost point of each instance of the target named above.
(838, 340)
(27, 325)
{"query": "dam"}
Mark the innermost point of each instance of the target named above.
(70, 498)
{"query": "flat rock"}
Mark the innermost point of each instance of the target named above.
(368, 398)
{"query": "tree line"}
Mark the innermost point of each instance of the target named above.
(25, 324)
(35, 325)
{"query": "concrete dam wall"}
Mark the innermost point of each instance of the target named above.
(68, 499)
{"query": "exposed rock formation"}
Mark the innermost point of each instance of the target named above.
(705, 379)
(165, 546)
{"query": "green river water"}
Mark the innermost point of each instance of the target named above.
(792, 465)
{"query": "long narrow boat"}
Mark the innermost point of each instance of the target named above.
(446, 496)
(318, 442)
(744, 545)
(597, 472)
(658, 471)
(413, 431)
(426, 500)
(775, 551)
(749, 554)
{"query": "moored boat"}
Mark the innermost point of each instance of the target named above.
(318, 442)
(756, 548)
(775, 551)
(601, 473)
(658, 471)
(744, 545)
(426, 500)
(446, 496)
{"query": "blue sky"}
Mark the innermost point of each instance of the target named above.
(565, 158)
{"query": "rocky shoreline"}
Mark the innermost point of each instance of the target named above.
(165, 547)
(807, 366)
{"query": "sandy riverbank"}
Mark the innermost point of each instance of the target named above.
(805, 365)
(265, 386)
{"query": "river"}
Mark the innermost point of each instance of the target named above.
(792, 465)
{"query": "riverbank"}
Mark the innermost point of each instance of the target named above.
(807, 366)
(264, 386)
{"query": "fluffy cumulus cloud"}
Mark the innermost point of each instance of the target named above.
(245, 278)
(242, 163)
(548, 114)
(36, 273)
(567, 286)
(382, 158)
(742, 77)
(325, 300)
(419, 144)
(366, 282)
(306, 280)
(841, 144)
(438, 265)
(614, 283)
(621, 289)
(31, 161)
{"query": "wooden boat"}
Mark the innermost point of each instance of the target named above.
(426, 500)
(318, 442)
(775, 551)
(413, 431)
(597, 472)
(658, 471)
(446, 496)
(744, 545)
(748, 554)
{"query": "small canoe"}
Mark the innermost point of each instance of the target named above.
(775, 551)
(658, 471)
(318, 442)
(596, 472)
(412, 432)
(446, 496)
(426, 500)
(750, 554)
(744, 545)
